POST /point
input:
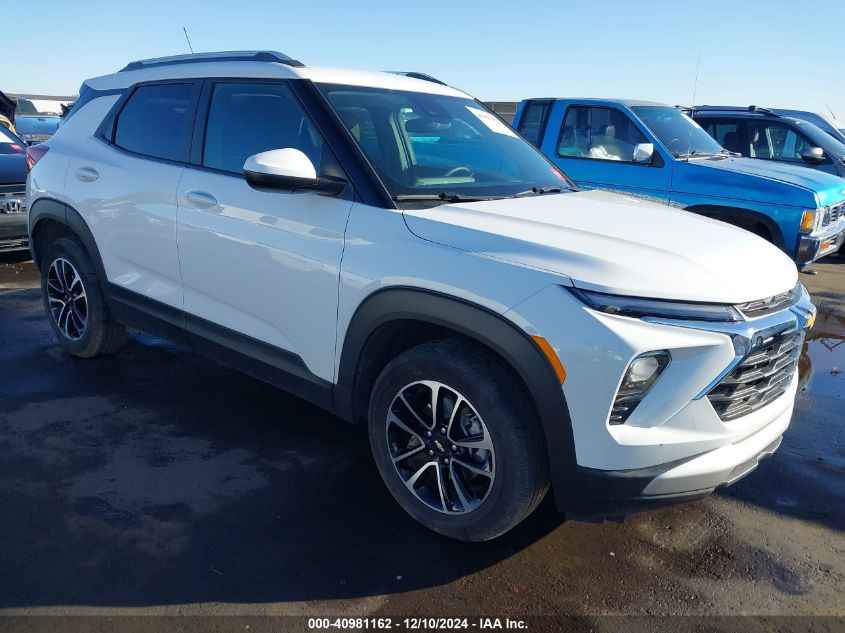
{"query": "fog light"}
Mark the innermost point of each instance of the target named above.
(642, 369)
(639, 378)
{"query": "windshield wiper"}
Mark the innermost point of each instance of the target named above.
(442, 197)
(698, 154)
(538, 191)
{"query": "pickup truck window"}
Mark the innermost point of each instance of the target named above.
(599, 133)
(682, 136)
(533, 121)
(422, 144)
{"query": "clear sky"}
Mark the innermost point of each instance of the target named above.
(773, 52)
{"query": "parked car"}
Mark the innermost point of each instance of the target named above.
(37, 128)
(655, 151)
(7, 112)
(7, 123)
(13, 225)
(761, 133)
(391, 251)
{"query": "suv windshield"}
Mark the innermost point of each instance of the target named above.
(680, 134)
(427, 145)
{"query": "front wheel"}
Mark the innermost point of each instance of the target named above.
(456, 440)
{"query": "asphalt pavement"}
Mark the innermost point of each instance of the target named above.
(158, 482)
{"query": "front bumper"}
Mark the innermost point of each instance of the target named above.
(814, 247)
(13, 225)
(674, 446)
(621, 493)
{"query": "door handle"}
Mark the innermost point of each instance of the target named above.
(200, 199)
(87, 174)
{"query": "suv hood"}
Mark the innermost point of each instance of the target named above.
(616, 244)
(12, 169)
(759, 180)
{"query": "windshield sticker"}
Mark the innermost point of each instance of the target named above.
(492, 123)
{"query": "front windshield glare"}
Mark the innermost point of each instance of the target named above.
(424, 144)
(680, 134)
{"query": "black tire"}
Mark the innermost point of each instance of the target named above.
(521, 467)
(101, 334)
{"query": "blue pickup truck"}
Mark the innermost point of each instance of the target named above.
(657, 152)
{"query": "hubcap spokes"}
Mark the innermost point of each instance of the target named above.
(440, 447)
(67, 299)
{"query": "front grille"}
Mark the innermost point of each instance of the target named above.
(761, 376)
(13, 189)
(836, 211)
(761, 307)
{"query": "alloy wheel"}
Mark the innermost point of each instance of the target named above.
(67, 299)
(440, 447)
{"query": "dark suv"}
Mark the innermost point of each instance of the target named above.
(762, 133)
(13, 229)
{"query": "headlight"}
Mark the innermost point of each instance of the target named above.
(812, 219)
(641, 307)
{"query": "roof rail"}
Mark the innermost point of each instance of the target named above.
(754, 108)
(221, 56)
(751, 108)
(417, 75)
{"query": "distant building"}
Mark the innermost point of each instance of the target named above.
(46, 104)
(505, 109)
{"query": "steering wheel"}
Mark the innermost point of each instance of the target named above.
(672, 142)
(459, 170)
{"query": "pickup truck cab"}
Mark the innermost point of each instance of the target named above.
(655, 151)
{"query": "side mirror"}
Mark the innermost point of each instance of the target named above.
(287, 168)
(813, 155)
(643, 152)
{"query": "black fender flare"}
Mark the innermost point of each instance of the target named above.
(51, 209)
(719, 212)
(487, 328)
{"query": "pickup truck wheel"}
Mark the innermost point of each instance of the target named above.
(456, 441)
(74, 302)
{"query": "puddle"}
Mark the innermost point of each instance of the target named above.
(821, 368)
(17, 276)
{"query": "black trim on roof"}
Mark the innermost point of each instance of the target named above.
(226, 56)
(417, 75)
(752, 109)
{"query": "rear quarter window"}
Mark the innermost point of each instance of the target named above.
(156, 121)
(532, 124)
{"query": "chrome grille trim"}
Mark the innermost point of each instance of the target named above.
(13, 189)
(761, 307)
(761, 376)
(836, 212)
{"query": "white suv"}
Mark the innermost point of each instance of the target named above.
(388, 249)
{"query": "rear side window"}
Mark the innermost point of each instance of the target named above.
(532, 124)
(726, 131)
(248, 118)
(157, 121)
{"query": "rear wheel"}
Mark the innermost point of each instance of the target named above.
(456, 440)
(74, 302)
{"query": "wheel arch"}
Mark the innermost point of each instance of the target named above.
(50, 219)
(744, 216)
(370, 340)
